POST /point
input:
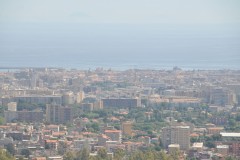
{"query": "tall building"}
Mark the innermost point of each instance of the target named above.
(12, 106)
(59, 114)
(232, 139)
(79, 97)
(10, 116)
(68, 98)
(30, 116)
(176, 135)
(33, 80)
(87, 107)
(220, 96)
(39, 99)
(98, 105)
(23, 116)
(121, 102)
(127, 128)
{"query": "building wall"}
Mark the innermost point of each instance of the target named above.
(127, 128)
(121, 103)
(79, 97)
(30, 116)
(220, 96)
(9, 116)
(87, 107)
(176, 135)
(235, 148)
(59, 114)
(115, 135)
(68, 98)
(12, 106)
(23, 116)
(39, 99)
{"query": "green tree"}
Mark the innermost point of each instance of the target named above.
(5, 155)
(62, 148)
(194, 139)
(238, 117)
(82, 154)
(102, 154)
(1, 120)
(149, 155)
(95, 126)
(137, 155)
(210, 144)
(119, 154)
(230, 158)
(10, 148)
(232, 123)
(157, 148)
(217, 137)
(21, 158)
(26, 152)
(175, 155)
(69, 156)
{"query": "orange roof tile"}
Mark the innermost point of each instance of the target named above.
(112, 131)
(51, 141)
(194, 135)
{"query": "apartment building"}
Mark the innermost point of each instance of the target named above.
(176, 135)
(59, 114)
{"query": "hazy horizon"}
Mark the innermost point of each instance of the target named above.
(79, 34)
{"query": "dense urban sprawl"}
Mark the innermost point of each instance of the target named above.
(55, 114)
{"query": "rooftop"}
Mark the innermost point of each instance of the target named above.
(173, 145)
(232, 134)
(197, 145)
(222, 146)
(112, 131)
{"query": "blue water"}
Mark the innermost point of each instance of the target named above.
(121, 46)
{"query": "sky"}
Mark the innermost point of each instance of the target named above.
(124, 11)
(184, 32)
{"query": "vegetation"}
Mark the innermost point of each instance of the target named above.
(26, 152)
(21, 105)
(10, 148)
(119, 155)
(2, 108)
(4, 155)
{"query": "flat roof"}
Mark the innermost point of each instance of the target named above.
(222, 146)
(37, 96)
(197, 145)
(232, 134)
(112, 131)
(173, 145)
(182, 127)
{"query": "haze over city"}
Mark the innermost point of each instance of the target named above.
(120, 80)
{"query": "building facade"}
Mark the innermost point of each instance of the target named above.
(121, 102)
(59, 114)
(176, 135)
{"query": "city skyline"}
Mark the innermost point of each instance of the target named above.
(119, 80)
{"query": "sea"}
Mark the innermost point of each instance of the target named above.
(120, 46)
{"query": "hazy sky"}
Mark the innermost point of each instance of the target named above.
(121, 11)
(176, 32)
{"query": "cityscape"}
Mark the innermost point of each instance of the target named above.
(53, 113)
(119, 80)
